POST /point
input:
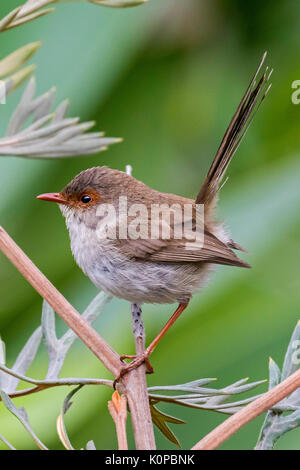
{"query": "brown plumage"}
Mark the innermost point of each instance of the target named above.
(147, 268)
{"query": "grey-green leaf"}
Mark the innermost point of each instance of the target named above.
(58, 348)
(22, 416)
(23, 362)
(6, 442)
(161, 419)
(51, 135)
(61, 428)
(276, 423)
(17, 59)
(118, 3)
(275, 374)
(90, 445)
(291, 362)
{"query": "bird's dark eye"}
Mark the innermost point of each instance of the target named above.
(85, 199)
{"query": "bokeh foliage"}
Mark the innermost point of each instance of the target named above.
(166, 77)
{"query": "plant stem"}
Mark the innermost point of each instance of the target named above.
(118, 410)
(136, 390)
(220, 434)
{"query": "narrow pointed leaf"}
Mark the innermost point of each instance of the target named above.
(22, 416)
(8, 19)
(60, 424)
(118, 3)
(56, 137)
(290, 365)
(17, 59)
(23, 362)
(5, 441)
(276, 423)
(161, 419)
(45, 106)
(275, 374)
(61, 111)
(26, 19)
(15, 80)
(23, 109)
(58, 348)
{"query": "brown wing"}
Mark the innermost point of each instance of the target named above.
(211, 251)
(182, 251)
(165, 247)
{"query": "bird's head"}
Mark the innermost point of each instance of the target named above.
(81, 198)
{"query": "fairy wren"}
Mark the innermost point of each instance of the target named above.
(126, 252)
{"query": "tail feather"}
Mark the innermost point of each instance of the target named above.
(236, 130)
(235, 246)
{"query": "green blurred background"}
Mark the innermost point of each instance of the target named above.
(167, 77)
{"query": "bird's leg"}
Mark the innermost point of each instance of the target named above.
(139, 335)
(181, 307)
(138, 330)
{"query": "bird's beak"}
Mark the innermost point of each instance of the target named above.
(53, 197)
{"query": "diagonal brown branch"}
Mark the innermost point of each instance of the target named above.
(134, 381)
(62, 307)
(220, 434)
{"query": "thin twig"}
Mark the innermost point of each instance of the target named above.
(118, 410)
(41, 385)
(56, 382)
(220, 434)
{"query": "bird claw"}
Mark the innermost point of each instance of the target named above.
(136, 361)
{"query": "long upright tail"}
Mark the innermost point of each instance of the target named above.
(237, 128)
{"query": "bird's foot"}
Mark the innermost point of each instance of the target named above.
(136, 361)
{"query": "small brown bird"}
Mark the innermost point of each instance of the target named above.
(129, 255)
